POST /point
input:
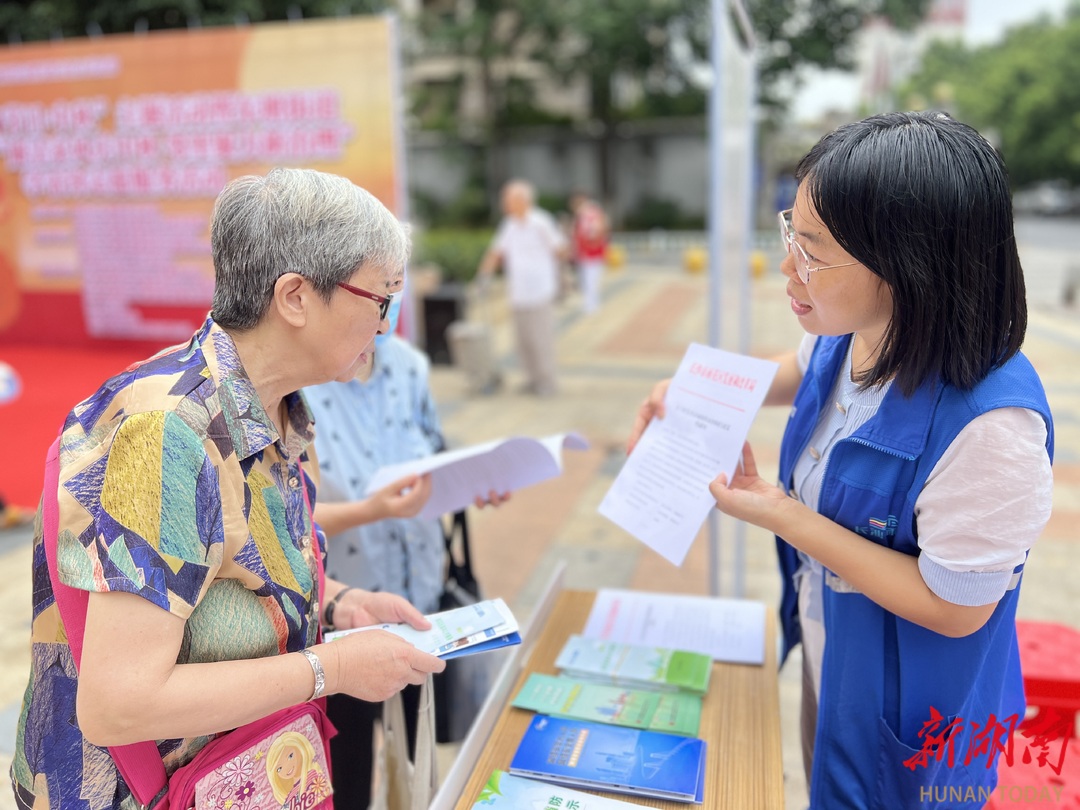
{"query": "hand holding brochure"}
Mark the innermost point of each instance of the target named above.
(503, 465)
(661, 495)
(486, 625)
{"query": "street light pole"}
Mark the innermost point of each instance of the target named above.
(731, 156)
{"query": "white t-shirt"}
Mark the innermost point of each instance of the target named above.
(529, 249)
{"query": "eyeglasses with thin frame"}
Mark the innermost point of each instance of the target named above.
(383, 301)
(802, 260)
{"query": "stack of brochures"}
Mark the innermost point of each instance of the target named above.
(671, 712)
(597, 756)
(486, 625)
(635, 665)
(619, 717)
(513, 793)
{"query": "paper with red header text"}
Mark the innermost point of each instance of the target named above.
(661, 495)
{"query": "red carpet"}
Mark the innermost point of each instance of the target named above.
(54, 379)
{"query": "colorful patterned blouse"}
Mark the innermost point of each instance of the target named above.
(174, 485)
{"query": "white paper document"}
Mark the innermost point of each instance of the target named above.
(731, 630)
(661, 495)
(503, 465)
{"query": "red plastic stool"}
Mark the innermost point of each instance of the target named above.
(1050, 661)
(1029, 784)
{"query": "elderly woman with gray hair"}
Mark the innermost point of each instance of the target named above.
(184, 508)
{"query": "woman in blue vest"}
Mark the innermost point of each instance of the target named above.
(915, 467)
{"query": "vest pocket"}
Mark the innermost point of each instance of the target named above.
(915, 779)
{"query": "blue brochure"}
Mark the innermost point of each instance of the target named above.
(497, 643)
(598, 756)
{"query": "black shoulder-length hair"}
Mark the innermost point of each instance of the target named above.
(923, 201)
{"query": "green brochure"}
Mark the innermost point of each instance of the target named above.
(634, 665)
(672, 712)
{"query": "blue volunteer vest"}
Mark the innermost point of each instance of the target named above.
(882, 674)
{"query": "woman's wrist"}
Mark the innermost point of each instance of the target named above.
(331, 664)
(786, 518)
(368, 510)
(319, 688)
(331, 606)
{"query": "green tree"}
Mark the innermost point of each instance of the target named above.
(658, 45)
(1021, 91)
(495, 40)
(26, 20)
(794, 35)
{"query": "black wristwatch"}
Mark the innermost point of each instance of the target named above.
(329, 611)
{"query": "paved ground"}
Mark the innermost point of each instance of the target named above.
(608, 362)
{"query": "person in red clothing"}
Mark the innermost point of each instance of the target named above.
(590, 240)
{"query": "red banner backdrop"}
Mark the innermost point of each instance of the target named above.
(112, 151)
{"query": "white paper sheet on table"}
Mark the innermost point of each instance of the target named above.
(731, 630)
(504, 465)
(661, 495)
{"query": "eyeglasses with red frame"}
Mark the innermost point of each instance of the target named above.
(383, 301)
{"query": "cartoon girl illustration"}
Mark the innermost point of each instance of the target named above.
(295, 778)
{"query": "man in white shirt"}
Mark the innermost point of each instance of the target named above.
(529, 245)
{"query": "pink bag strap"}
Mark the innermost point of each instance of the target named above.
(140, 763)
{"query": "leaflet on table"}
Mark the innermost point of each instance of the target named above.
(671, 712)
(731, 630)
(661, 495)
(504, 465)
(640, 665)
(603, 757)
(510, 792)
(485, 625)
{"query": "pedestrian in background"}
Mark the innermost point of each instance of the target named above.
(529, 246)
(589, 235)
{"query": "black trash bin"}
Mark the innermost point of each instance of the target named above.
(442, 307)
